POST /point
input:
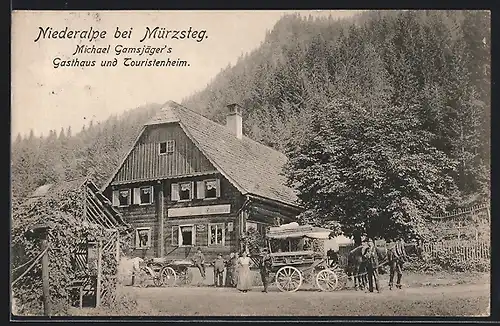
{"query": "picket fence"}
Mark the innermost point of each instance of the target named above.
(462, 250)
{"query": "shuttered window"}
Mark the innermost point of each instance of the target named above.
(182, 191)
(145, 196)
(208, 189)
(122, 197)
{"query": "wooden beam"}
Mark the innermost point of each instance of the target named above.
(99, 275)
(161, 221)
(44, 244)
(85, 190)
(97, 217)
(266, 213)
(102, 212)
(117, 246)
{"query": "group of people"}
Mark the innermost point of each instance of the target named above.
(236, 268)
(395, 256)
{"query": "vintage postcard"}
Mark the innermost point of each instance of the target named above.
(250, 163)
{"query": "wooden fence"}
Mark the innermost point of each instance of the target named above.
(464, 250)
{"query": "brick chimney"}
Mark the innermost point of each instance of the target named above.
(234, 120)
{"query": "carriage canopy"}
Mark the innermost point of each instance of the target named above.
(294, 230)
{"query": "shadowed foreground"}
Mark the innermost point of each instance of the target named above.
(458, 300)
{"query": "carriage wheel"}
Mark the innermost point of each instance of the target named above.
(327, 280)
(288, 279)
(186, 276)
(168, 276)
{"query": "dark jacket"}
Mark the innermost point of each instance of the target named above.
(219, 264)
(199, 258)
(265, 263)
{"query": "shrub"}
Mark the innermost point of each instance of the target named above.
(447, 261)
(62, 213)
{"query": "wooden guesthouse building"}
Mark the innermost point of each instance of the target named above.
(190, 182)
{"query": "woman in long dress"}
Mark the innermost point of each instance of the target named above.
(244, 280)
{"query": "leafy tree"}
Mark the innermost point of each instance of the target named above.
(377, 173)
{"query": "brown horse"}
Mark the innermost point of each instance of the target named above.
(356, 265)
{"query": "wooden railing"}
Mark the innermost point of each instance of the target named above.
(464, 250)
(461, 249)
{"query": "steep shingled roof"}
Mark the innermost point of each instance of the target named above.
(252, 167)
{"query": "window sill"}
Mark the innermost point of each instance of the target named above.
(146, 204)
(142, 248)
(123, 206)
(184, 200)
(186, 246)
(216, 245)
(210, 199)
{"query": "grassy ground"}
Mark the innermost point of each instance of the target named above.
(423, 295)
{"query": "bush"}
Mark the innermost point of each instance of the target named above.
(62, 212)
(447, 261)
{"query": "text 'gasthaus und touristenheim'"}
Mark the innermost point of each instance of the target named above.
(113, 55)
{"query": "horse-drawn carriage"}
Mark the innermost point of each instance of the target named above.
(297, 255)
(168, 272)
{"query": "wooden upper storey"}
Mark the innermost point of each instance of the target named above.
(163, 151)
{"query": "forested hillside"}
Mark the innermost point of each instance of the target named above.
(327, 93)
(96, 150)
(434, 64)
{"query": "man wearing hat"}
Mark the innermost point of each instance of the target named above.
(265, 267)
(396, 257)
(199, 261)
(371, 259)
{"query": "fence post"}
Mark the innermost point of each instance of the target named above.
(117, 247)
(44, 244)
(99, 272)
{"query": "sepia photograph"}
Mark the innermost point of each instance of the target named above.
(331, 163)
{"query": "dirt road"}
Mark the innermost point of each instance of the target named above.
(458, 300)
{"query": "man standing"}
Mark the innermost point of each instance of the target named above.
(229, 270)
(371, 260)
(219, 271)
(397, 262)
(265, 268)
(199, 261)
(333, 258)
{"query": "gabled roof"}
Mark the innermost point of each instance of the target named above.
(251, 167)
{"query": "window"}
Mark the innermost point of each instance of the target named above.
(185, 191)
(182, 191)
(167, 147)
(216, 234)
(208, 189)
(256, 226)
(145, 195)
(142, 238)
(187, 236)
(122, 198)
